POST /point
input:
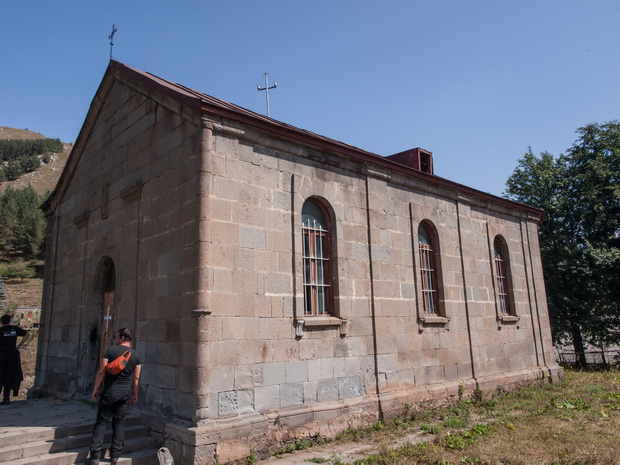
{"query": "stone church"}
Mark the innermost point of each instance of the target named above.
(280, 283)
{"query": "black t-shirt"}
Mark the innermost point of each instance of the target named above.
(8, 337)
(118, 387)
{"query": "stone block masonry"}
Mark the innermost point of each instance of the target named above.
(181, 216)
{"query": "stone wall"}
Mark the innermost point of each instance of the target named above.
(330, 378)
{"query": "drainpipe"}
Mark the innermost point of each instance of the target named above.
(529, 276)
(540, 331)
(471, 350)
(372, 302)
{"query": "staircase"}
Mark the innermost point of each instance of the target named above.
(47, 432)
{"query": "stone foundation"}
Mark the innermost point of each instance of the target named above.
(233, 439)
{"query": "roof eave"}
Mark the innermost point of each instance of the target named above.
(331, 145)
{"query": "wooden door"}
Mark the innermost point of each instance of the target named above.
(106, 338)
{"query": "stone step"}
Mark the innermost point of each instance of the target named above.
(137, 451)
(9, 436)
(50, 431)
(147, 457)
(46, 412)
(22, 436)
(21, 448)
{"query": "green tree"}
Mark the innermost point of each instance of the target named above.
(11, 149)
(8, 221)
(22, 224)
(13, 170)
(17, 269)
(29, 163)
(580, 193)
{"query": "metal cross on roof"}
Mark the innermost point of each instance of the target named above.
(266, 89)
(111, 37)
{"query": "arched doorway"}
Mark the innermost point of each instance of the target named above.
(108, 290)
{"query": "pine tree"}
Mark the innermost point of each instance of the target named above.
(22, 223)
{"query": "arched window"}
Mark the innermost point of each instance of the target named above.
(502, 276)
(316, 260)
(428, 271)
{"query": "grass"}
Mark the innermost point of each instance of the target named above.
(576, 422)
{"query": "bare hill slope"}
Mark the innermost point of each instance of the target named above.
(22, 134)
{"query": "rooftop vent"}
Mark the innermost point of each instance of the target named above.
(418, 159)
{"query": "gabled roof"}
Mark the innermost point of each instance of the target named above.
(214, 106)
(210, 105)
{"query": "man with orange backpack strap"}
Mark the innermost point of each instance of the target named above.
(119, 374)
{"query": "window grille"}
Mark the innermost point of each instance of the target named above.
(428, 272)
(502, 278)
(316, 261)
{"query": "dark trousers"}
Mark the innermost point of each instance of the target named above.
(10, 373)
(6, 388)
(116, 412)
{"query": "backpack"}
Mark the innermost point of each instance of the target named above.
(118, 365)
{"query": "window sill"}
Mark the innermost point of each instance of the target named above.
(82, 219)
(320, 321)
(434, 320)
(508, 319)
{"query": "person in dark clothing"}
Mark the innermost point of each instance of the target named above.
(114, 393)
(11, 374)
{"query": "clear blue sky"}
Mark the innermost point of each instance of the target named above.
(474, 81)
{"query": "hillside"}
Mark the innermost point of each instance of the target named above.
(27, 292)
(23, 293)
(43, 179)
